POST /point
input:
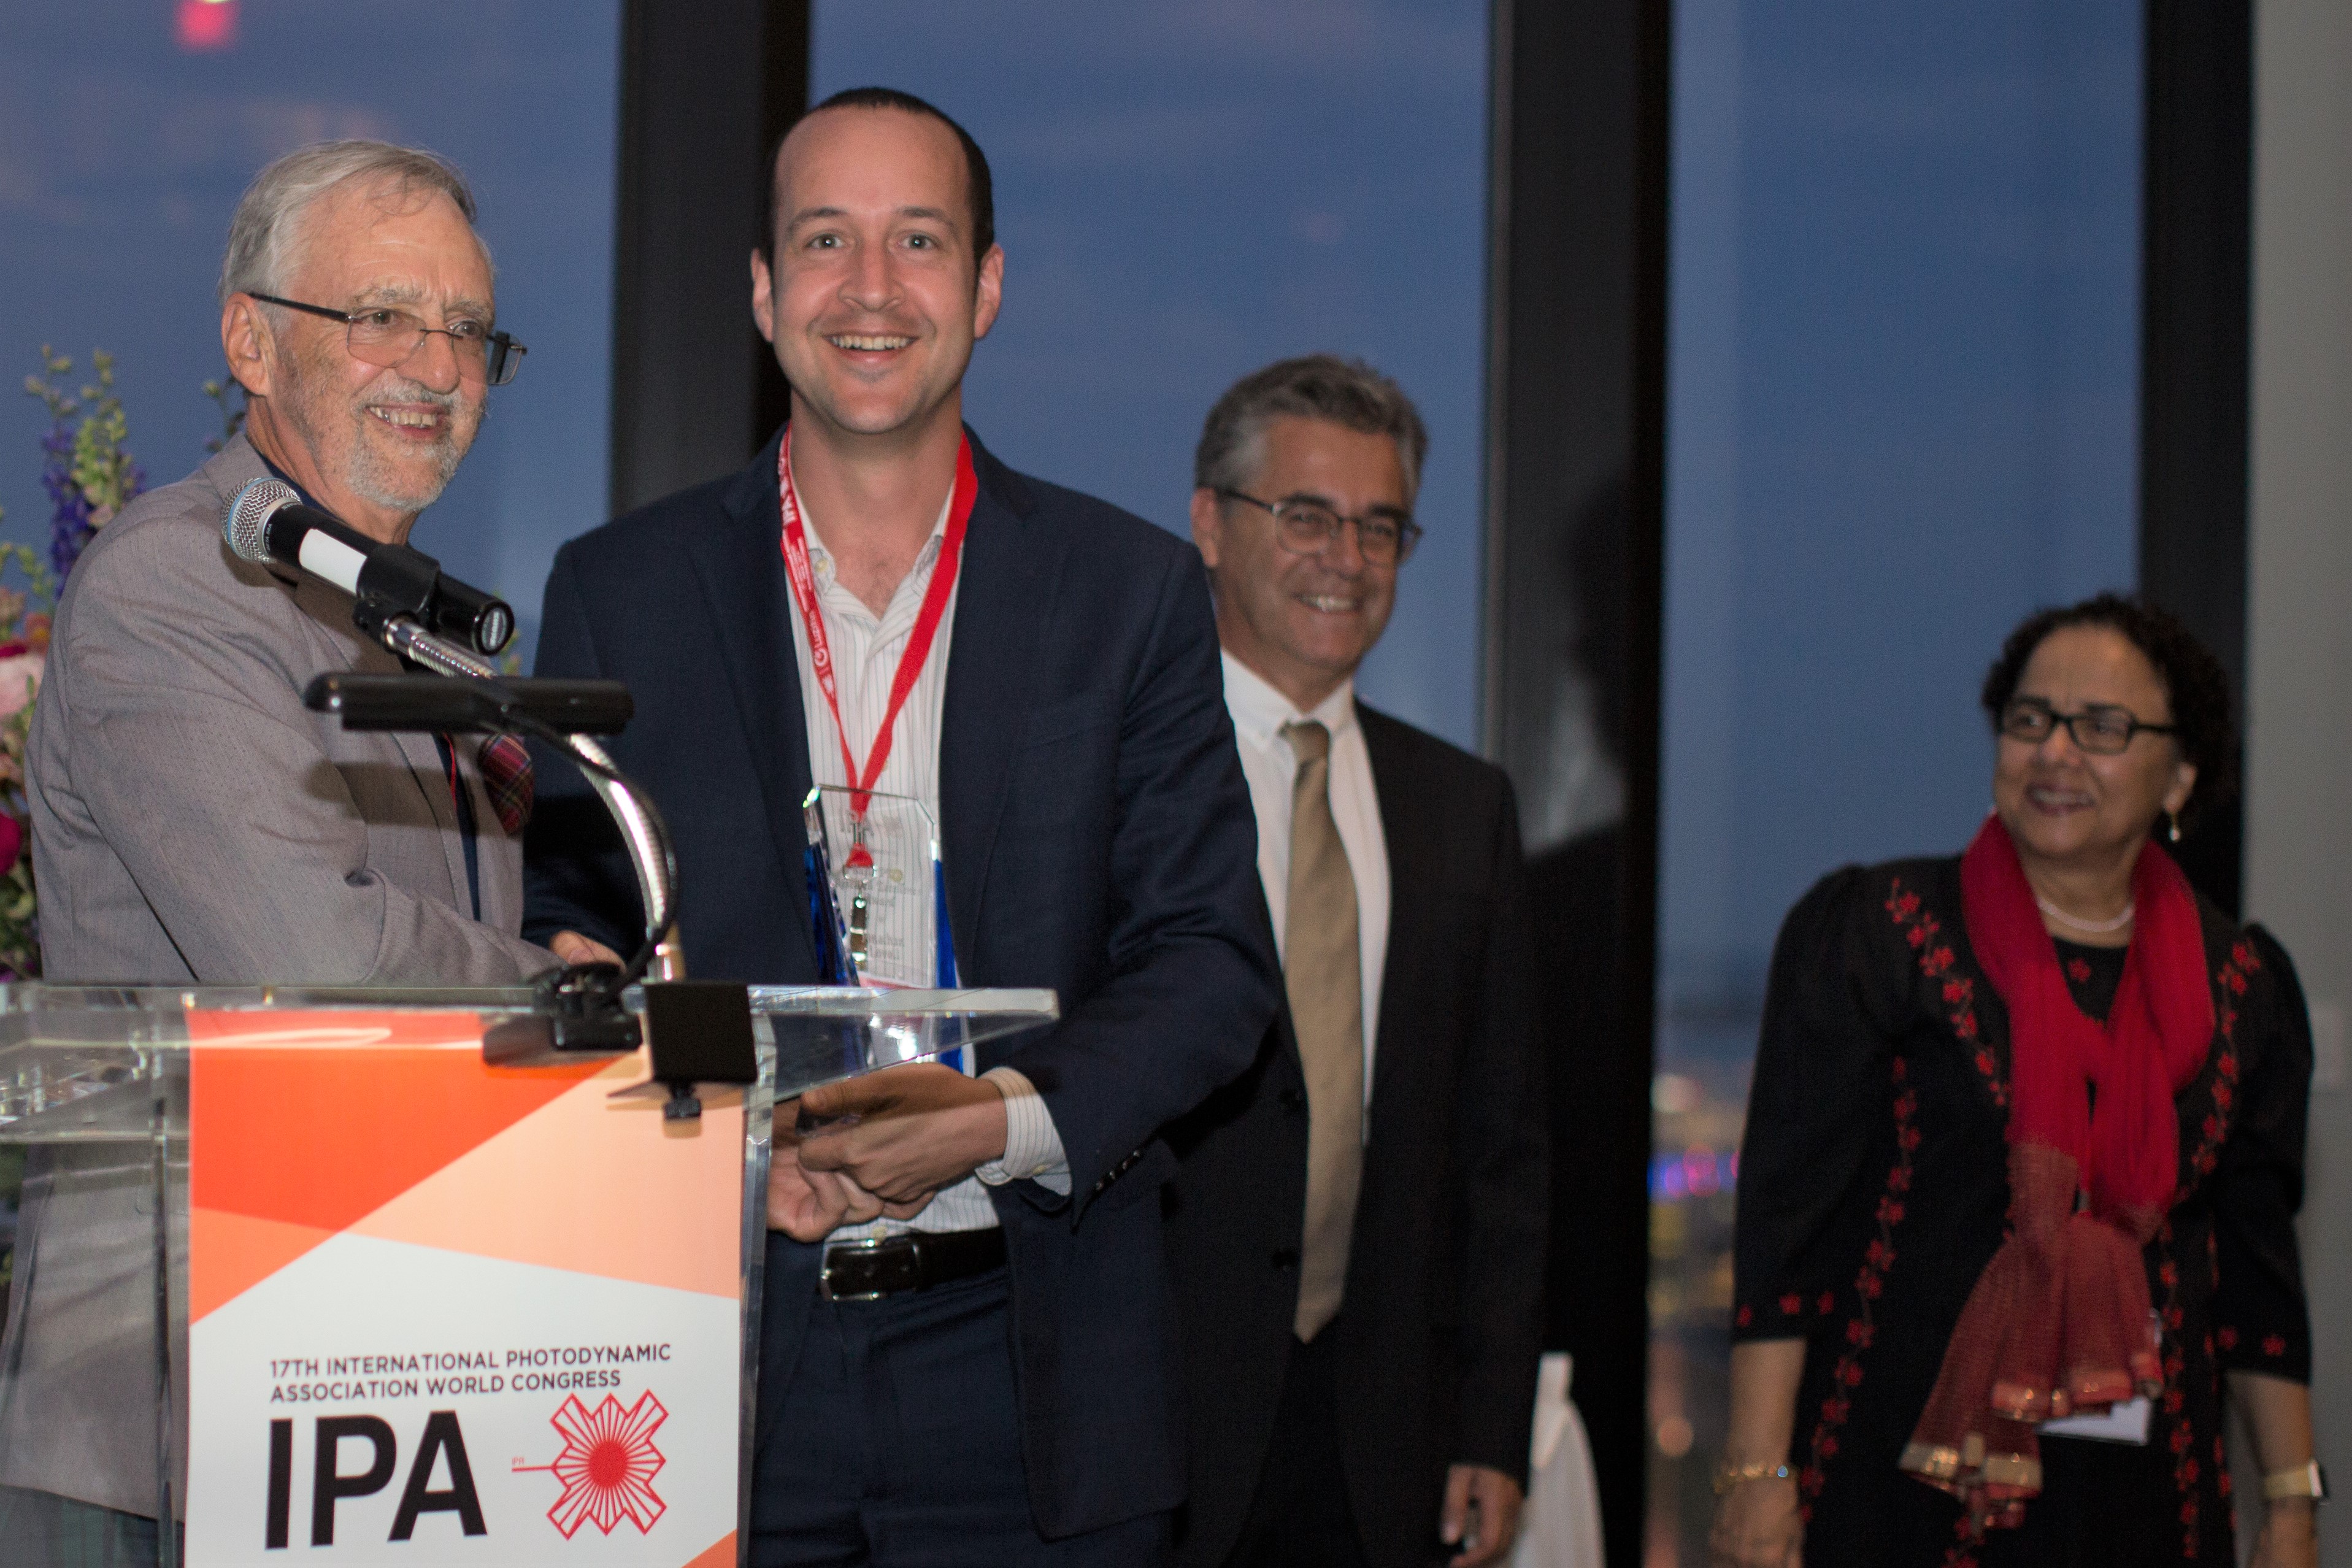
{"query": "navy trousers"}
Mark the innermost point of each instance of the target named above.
(1300, 1516)
(894, 1440)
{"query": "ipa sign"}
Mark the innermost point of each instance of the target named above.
(443, 1312)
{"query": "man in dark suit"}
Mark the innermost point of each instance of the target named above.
(876, 602)
(1357, 1223)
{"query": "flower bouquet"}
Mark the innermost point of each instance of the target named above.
(90, 477)
(24, 647)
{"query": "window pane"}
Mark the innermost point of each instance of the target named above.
(1903, 380)
(128, 129)
(1185, 194)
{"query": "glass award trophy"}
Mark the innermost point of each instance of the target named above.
(877, 897)
(880, 857)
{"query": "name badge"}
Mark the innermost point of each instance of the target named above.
(2124, 1422)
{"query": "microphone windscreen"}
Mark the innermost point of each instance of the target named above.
(244, 520)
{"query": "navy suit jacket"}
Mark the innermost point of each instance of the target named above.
(1437, 1340)
(1097, 838)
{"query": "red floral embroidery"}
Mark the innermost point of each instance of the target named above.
(2230, 982)
(1746, 1316)
(1869, 1284)
(2215, 1129)
(2078, 970)
(2274, 1344)
(1791, 1304)
(1935, 961)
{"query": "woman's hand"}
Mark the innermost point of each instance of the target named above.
(2277, 1414)
(1756, 1525)
(2290, 1538)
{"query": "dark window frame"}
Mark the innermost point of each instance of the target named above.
(706, 87)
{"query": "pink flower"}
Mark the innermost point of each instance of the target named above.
(20, 677)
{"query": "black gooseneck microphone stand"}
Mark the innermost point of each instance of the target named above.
(700, 1031)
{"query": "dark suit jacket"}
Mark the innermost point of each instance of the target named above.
(1097, 838)
(1441, 1323)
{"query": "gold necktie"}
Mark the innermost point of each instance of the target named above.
(1323, 972)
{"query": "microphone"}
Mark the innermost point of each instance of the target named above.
(267, 521)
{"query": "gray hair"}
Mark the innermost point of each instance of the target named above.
(1317, 386)
(269, 217)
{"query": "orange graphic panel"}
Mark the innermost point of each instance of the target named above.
(329, 1116)
(649, 1218)
(229, 1253)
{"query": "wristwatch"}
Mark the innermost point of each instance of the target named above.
(2306, 1479)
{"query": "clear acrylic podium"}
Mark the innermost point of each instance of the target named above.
(94, 1107)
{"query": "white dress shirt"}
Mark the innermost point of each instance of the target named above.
(866, 653)
(1272, 768)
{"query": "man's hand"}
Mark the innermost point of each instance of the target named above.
(1481, 1515)
(574, 948)
(904, 1132)
(805, 1204)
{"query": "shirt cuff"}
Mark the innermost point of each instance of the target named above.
(1033, 1144)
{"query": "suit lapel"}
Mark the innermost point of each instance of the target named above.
(741, 568)
(1001, 598)
(336, 647)
(1414, 863)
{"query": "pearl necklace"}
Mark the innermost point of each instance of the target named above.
(2102, 927)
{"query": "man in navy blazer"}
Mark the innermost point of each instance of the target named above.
(1012, 1401)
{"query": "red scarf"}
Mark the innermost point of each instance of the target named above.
(2059, 1321)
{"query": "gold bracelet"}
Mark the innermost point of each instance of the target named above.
(1728, 1476)
(2306, 1480)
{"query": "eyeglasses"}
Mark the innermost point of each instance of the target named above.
(1306, 528)
(2100, 729)
(389, 336)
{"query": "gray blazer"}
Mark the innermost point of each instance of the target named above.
(193, 822)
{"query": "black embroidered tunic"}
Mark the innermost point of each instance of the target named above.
(1874, 1190)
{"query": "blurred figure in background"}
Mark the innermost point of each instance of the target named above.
(2025, 1144)
(1358, 1224)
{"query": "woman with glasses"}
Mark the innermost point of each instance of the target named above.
(2024, 1148)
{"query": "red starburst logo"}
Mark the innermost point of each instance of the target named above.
(607, 1466)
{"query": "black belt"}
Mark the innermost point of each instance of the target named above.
(867, 1270)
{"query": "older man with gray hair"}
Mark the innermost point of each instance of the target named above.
(192, 823)
(1358, 1224)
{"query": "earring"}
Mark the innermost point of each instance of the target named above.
(2176, 825)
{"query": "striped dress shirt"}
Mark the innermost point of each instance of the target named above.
(866, 653)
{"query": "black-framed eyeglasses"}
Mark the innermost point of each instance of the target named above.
(2100, 729)
(389, 336)
(1306, 527)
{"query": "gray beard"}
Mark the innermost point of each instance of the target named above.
(374, 479)
(369, 476)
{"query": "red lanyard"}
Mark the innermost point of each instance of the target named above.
(918, 641)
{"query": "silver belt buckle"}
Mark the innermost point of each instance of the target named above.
(870, 1245)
